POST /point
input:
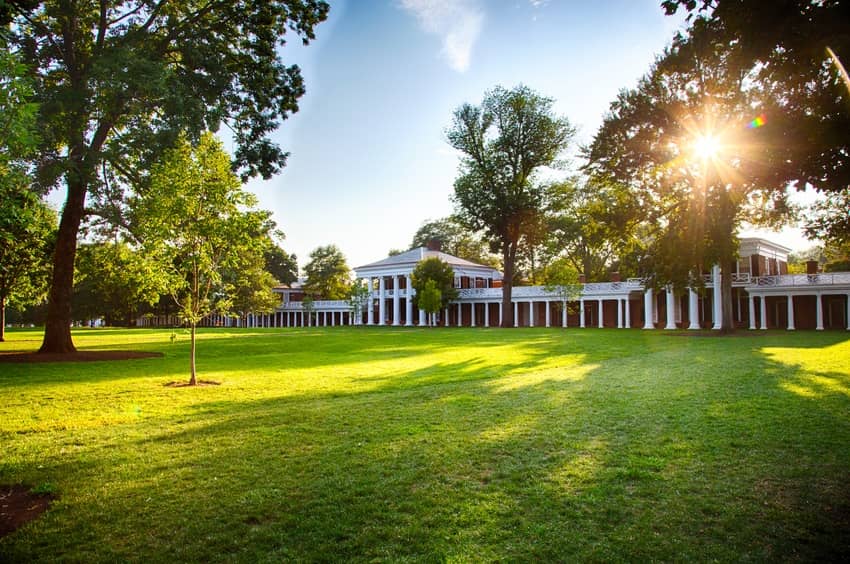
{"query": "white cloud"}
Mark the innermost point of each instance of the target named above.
(457, 22)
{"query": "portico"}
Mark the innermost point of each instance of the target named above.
(392, 292)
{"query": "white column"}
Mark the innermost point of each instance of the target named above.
(628, 314)
(819, 311)
(486, 314)
(693, 309)
(752, 312)
(448, 321)
(333, 319)
(763, 316)
(396, 301)
(548, 307)
(460, 315)
(718, 297)
(408, 289)
(472, 314)
(382, 301)
(601, 323)
(581, 313)
(531, 314)
(516, 317)
(500, 312)
(422, 317)
(564, 313)
(671, 311)
(303, 320)
(790, 312)
(847, 317)
(370, 311)
(648, 313)
(619, 313)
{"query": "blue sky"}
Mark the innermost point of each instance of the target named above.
(369, 159)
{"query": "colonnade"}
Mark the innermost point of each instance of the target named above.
(395, 294)
(790, 324)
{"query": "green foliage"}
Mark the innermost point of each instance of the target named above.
(829, 219)
(437, 271)
(430, 298)
(328, 275)
(579, 445)
(505, 141)
(560, 277)
(592, 224)
(27, 225)
(360, 298)
(114, 281)
(199, 223)
(784, 53)
(118, 82)
(280, 264)
(455, 240)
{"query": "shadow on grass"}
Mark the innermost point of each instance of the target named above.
(632, 448)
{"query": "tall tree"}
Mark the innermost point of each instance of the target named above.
(691, 143)
(27, 225)
(118, 81)
(507, 139)
(328, 275)
(199, 222)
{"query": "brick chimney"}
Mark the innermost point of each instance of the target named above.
(811, 267)
(615, 277)
(434, 245)
(582, 279)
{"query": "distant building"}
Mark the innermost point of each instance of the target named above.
(764, 296)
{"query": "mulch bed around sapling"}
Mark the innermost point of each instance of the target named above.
(19, 505)
(200, 383)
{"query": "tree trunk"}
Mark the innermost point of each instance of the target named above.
(57, 327)
(2, 319)
(508, 257)
(193, 379)
(728, 323)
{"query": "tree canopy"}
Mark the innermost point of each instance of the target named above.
(511, 136)
(455, 240)
(792, 55)
(328, 274)
(114, 281)
(27, 225)
(280, 264)
(118, 82)
(440, 274)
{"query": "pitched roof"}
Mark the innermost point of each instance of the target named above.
(412, 257)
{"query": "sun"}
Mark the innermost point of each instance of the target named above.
(706, 146)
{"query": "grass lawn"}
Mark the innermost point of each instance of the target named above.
(435, 445)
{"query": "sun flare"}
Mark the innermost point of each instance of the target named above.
(706, 146)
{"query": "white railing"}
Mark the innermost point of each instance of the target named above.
(402, 293)
(613, 287)
(741, 279)
(825, 279)
(318, 305)
(592, 288)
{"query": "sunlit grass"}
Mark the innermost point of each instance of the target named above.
(460, 444)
